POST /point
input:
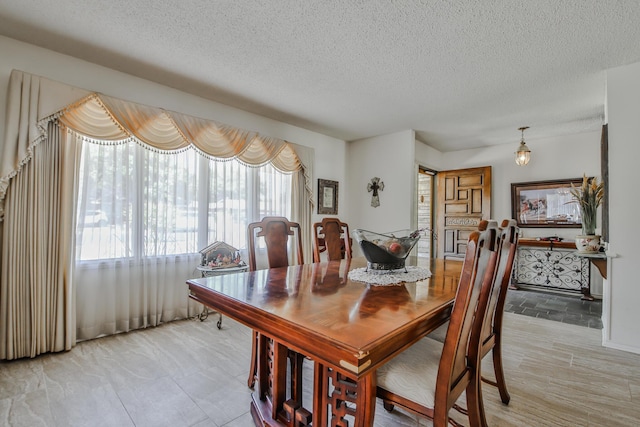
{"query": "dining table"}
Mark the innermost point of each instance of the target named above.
(346, 327)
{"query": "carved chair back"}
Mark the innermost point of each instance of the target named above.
(459, 362)
(275, 230)
(507, 244)
(331, 236)
(492, 327)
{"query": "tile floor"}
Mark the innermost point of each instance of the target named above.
(565, 308)
(190, 374)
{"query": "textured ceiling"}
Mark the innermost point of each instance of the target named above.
(461, 73)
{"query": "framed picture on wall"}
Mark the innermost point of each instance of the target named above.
(327, 197)
(545, 204)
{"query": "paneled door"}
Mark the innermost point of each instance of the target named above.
(464, 199)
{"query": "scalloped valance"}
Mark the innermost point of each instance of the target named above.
(101, 117)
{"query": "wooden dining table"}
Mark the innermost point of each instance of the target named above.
(346, 328)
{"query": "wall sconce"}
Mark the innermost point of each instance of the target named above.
(523, 155)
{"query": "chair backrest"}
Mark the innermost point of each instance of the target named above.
(457, 369)
(507, 246)
(331, 235)
(276, 231)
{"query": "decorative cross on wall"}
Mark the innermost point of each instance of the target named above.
(374, 186)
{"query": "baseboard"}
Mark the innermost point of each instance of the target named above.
(616, 346)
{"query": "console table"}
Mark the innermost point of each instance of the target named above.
(599, 260)
(552, 265)
(220, 271)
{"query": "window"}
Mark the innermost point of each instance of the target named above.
(135, 202)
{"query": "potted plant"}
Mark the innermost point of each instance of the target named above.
(588, 197)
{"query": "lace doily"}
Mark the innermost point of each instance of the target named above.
(389, 277)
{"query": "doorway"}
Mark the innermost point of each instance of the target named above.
(425, 210)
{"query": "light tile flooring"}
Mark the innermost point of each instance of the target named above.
(189, 373)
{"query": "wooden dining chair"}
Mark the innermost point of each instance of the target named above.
(429, 377)
(491, 332)
(331, 236)
(275, 232)
(492, 327)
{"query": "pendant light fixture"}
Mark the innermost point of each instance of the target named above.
(523, 155)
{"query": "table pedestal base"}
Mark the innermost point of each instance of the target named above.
(336, 396)
(293, 416)
(261, 413)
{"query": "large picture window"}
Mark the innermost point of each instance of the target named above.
(137, 203)
(114, 200)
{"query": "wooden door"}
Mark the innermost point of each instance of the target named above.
(464, 199)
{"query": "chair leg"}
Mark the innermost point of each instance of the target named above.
(388, 406)
(499, 371)
(253, 368)
(475, 404)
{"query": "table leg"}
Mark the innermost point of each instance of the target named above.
(352, 401)
(278, 378)
(296, 361)
(272, 375)
(320, 395)
(586, 294)
(270, 405)
(366, 400)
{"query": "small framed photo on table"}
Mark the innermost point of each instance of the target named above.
(327, 197)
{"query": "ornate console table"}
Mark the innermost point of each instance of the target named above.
(599, 260)
(209, 272)
(552, 265)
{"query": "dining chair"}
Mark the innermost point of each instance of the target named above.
(491, 332)
(331, 236)
(492, 327)
(429, 377)
(275, 232)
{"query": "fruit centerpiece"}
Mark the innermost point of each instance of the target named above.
(386, 251)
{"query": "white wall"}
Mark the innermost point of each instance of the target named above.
(391, 158)
(330, 153)
(568, 156)
(428, 157)
(623, 104)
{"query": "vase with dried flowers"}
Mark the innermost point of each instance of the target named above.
(589, 197)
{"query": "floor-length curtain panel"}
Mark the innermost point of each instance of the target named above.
(32, 101)
(37, 299)
(302, 195)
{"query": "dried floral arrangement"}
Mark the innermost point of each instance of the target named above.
(589, 197)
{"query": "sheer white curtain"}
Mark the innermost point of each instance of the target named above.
(143, 216)
(151, 191)
(136, 239)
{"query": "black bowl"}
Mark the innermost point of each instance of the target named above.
(385, 251)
